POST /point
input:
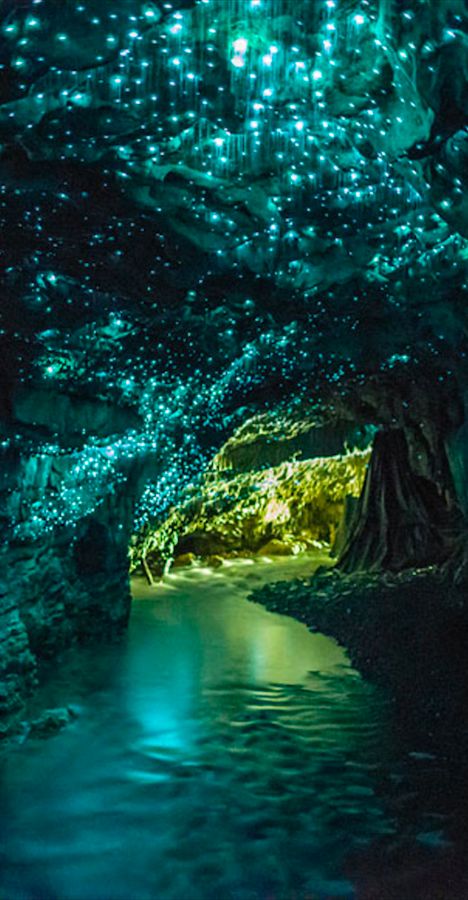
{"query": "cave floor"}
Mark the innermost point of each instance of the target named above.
(223, 752)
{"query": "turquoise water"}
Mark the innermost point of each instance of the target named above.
(221, 752)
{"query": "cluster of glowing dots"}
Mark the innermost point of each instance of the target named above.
(300, 136)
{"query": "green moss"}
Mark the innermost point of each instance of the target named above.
(291, 507)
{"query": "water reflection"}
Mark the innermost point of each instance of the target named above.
(222, 753)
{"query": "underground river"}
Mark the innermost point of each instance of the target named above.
(221, 752)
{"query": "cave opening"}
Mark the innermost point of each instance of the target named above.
(273, 489)
(369, 498)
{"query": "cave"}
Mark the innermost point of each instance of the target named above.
(234, 449)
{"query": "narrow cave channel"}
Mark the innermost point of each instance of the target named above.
(233, 450)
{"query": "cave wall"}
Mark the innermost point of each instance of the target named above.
(283, 510)
(402, 520)
(457, 455)
(65, 535)
(456, 446)
(412, 510)
(255, 445)
(210, 210)
(56, 591)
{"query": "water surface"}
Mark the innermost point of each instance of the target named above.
(222, 752)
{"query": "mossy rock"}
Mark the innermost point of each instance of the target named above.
(276, 547)
(184, 560)
(215, 561)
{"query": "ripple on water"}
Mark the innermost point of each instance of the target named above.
(223, 753)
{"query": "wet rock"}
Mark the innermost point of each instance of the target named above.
(403, 630)
(51, 721)
(277, 548)
(297, 504)
(66, 414)
(57, 592)
(215, 561)
(201, 543)
(184, 560)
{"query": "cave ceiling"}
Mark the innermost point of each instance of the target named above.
(212, 206)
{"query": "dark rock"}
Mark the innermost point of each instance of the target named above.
(408, 632)
(52, 721)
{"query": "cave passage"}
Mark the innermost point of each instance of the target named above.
(263, 495)
(233, 350)
(220, 751)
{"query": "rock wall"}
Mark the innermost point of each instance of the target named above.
(53, 593)
(413, 508)
(65, 587)
(256, 445)
(456, 447)
(402, 519)
(275, 511)
(66, 521)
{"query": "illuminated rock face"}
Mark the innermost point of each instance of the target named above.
(296, 506)
(274, 487)
(211, 208)
(67, 585)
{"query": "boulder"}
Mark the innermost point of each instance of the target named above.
(215, 561)
(184, 560)
(51, 721)
(276, 547)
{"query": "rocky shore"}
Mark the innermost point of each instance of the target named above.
(407, 632)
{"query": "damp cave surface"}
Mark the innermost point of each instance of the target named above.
(221, 751)
(233, 322)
